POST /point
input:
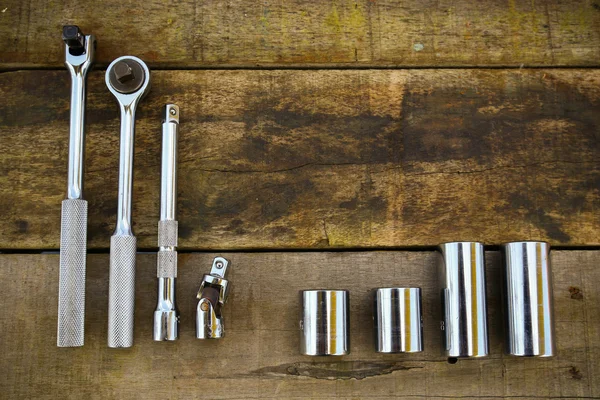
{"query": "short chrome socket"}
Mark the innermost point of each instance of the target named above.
(325, 322)
(398, 322)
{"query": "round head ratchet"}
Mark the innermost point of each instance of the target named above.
(128, 79)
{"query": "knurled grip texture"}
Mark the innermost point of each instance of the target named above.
(71, 286)
(167, 233)
(121, 291)
(166, 264)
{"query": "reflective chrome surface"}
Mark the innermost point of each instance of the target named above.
(527, 293)
(166, 316)
(325, 322)
(73, 237)
(121, 291)
(462, 284)
(398, 322)
(212, 294)
(127, 104)
(168, 176)
(78, 66)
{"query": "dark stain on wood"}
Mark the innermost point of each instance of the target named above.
(237, 226)
(539, 217)
(386, 158)
(350, 204)
(342, 370)
(451, 125)
(101, 230)
(576, 293)
(186, 230)
(271, 128)
(465, 122)
(22, 226)
(575, 373)
(277, 199)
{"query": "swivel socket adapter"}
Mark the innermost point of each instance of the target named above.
(212, 294)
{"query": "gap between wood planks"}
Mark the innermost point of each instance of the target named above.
(308, 67)
(413, 249)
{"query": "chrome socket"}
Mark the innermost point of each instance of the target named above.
(528, 308)
(325, 322)
(398, 322)
(464, 308)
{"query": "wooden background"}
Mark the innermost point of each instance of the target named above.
(380, 126)
(259, 357)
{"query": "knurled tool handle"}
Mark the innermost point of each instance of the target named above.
(121, 291)
(71, 292)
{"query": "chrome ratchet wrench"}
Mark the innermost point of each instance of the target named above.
(79, 57)
(128, 78)
(166, 317)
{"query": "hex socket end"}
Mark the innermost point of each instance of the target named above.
(166, 324)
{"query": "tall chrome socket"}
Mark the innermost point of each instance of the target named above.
(166, 317)
(325, 322)
(528, 308)
(398, 321)
(462, 281)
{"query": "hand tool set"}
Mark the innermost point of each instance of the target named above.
(397, 315)
(325, 314)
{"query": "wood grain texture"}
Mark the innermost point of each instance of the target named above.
(319, 159)
(186, 34)
(259, 357)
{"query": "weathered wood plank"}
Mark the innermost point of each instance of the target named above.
(259, 357)
(316, 159)
(358, 32)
